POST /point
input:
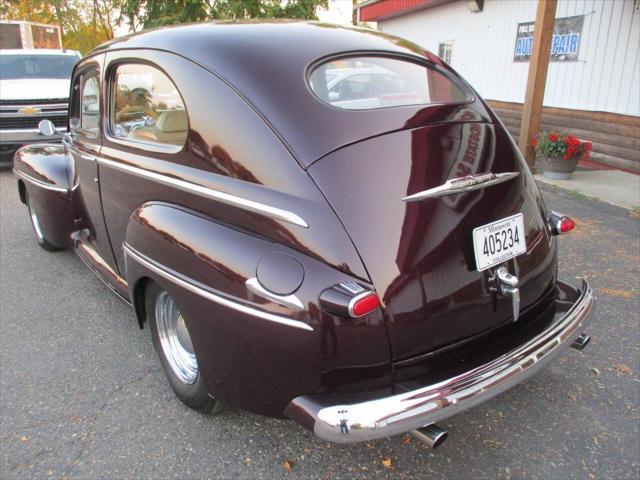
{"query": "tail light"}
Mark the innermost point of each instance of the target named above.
(349, 300)
(559, 223)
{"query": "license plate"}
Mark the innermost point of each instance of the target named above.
(499, 241)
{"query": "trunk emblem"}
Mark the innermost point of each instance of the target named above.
(461, 185)
(507, 285)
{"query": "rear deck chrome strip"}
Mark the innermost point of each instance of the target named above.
(461, 185)
(40, 183)
(253, 285)
(191, 285)
(223, 197)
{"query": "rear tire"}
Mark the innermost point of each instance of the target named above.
(38, 231)
(173, 344)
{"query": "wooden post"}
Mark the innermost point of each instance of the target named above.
(538, 63)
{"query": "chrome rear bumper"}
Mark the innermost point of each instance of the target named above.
(400, 413)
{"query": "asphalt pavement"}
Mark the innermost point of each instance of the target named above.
(82, 393)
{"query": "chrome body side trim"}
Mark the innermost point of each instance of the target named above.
(461, 185)
(253, 285)
(223, 197)
(99, 266)
(40, 183)
(413, 409)
(192, 286)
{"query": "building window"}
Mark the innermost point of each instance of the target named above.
(445, 49)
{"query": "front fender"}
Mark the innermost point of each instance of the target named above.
(254, 352)
(45, 174)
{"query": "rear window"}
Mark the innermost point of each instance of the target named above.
(365, 83)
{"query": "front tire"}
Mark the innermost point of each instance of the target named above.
(173, 344)
(38, 231)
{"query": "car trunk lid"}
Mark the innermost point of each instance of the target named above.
(420, 254)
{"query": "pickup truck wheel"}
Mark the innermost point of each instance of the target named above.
(172, 342)
(39, 232)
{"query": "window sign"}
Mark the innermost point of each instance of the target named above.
(565, 43)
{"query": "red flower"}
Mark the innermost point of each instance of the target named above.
(553, 137)
(571, 141)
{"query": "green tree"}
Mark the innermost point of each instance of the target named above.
(152, 13)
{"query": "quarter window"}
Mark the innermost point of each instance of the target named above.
(147, 108)
(366, 83)
(85, 112)
(90, 115)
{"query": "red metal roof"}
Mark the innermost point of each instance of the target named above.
(382, 9)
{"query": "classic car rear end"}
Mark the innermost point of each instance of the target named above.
(351, 240)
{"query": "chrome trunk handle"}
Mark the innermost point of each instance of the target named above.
(461, 185)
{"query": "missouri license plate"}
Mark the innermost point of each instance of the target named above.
(499, 241)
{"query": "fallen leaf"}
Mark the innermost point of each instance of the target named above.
(247, 461)
(386, 463)
(24, 438)
(288, 465)
(622, 368)
(406, 440)
(595, 370)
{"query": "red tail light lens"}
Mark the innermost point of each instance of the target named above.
(363, 304)
(566, 225)
(560, 223)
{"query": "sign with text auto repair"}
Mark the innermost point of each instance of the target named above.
(565, 43)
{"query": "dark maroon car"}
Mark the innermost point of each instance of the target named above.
(316, 222)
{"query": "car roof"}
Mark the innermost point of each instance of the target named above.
(39, 51)
(267, 62)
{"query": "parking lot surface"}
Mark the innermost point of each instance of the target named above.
(82, 393)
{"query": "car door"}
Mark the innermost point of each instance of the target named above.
(83, 144)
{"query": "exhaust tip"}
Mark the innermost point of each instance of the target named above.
(432, 435)
(581, 342)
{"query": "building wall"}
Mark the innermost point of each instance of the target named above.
(605, 78)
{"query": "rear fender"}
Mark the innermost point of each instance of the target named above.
(45, 175)
(254, 352)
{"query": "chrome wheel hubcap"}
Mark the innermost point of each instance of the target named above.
(175, 340)
(36, 225)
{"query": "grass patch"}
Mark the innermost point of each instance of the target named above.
(635, 212)
(581, 196)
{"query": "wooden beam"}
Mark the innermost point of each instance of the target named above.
(538, 64)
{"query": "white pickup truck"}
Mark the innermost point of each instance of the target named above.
(34, 85)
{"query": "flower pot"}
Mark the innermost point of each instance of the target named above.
(558, 168)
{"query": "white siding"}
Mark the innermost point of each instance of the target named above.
(606, 76)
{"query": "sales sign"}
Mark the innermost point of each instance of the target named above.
(565, 43)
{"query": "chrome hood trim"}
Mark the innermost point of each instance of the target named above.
(461, 185)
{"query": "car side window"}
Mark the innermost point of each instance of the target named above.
(90, 105)
(146, 107)
(85, 112)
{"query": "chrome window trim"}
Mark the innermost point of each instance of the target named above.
(196, 189)
(463, 184)
(253, 285)
(40, 183)
(225, 302)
